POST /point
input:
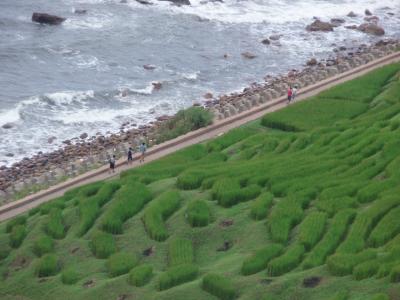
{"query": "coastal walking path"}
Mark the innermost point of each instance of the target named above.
(218, 128)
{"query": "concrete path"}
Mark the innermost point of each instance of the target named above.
(219, 127)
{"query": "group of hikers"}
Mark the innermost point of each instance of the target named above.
(142, 150)
(291, 95)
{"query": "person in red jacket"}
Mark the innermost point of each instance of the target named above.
(289, 94)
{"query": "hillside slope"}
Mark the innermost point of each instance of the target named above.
(303, 204)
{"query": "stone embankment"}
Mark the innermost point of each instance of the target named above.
(87, 153)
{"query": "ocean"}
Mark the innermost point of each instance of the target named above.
(87, 74)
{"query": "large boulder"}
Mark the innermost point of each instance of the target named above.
(47, 19)
(318, 25)
(371, 28)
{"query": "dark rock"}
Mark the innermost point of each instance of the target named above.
(7, 126)
(226, 223)
(51, 139)
(337, 22)
(373, 19)
(157, 85)
(225, 55)
(90, 283)
(163, 118)
(342, 48)
(275, 37)
(371, 28)
(351, 14)
(10, 155)
(266, 41)
(83, 135)
(80, 11)
(47, 19)
(311, 282)
(208, 96)
(353, 27)
(226, 246)
(312, 62)
(248, 55)
(67, 142)
(178, 2)
(144, 2)
(149, 67)
(368, 12)
(318, 25)
(149, 251)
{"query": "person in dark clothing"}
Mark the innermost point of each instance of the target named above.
(130, 156)
(112, 161)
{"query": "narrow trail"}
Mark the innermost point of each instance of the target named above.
(216, 129)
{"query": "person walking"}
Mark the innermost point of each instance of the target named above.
(142, 149)
(130, 155)
(112, 161)
(289, 94)
(294, 92)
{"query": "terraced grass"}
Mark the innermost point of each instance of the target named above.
(309, 191)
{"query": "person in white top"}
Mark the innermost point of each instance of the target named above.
(294, 92)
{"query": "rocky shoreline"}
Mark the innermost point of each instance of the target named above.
(85, 153)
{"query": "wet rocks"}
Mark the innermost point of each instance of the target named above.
(80, 11)
(208, 95)
(7, 126)
(275, 37)
(178, 2)
(44, 18)
(371, 28)
(312, 62)
(351, 14)
(249, 55)
(51, 139)
(336, 22)
(319, 25)
(149, 67)
(368, 12)
(83, 135)
(266, 41)
(157, 85)
(353, 27)
(144, 2)
(373, 19)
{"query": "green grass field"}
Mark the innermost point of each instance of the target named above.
(302, 204)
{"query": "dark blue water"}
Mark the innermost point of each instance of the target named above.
(87, 74)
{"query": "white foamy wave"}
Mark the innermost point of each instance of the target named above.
(86, 61)
(68, 97)
(14, 114)
(9, 116)
(190, 76)
(89, 22)
(126, 90)
(272, 11)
